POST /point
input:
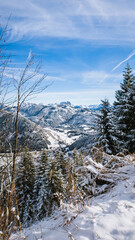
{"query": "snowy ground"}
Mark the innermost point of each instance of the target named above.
(110, 216)
(55, 137)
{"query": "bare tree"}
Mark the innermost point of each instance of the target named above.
(5, 180)
(27, 85)
(31, 82)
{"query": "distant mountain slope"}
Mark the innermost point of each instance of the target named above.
(44, 126)
(28, 133)
(57, 115)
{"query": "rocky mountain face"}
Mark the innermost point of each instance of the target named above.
(49, 126)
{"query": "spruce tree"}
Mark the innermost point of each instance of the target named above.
(80, 159)
(71, 179)
(40, 187)
(124, 112)
(75, 158)
(60, 161)
(24, 187)
(56, 185)
(77, 163)
(61, 165)
(104, 137)
(131, 122)
(49, 184)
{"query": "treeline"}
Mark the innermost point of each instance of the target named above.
(116, 124)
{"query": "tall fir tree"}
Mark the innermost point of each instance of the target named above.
(60, 161)
(71, 179)
(49, 184)
(56, 185)
(124, 113)
(131, 123)
(40, 187)
(104, 129)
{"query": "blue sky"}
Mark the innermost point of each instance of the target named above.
(84, 45)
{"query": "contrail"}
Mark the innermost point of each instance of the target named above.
(131, 55)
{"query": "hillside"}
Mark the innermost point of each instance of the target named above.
(58, 115)
(47, 126)
(106, 216)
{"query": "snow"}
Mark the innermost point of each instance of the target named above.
(110, 216)
(55, 137)
(92, 169)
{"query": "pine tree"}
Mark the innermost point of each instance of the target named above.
(40, 187)
(80, 159)
(24, 187)
(61, 164)
(75, 158)
(60, 161)
(104, 137)
(49, 184)
(56, 185)
(71, 179)
(131, 122)
(124, 112)
(77, 163)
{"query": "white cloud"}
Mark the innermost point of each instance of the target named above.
(88, 19)
(100, 78)
(96, 86)
(85, 97)
(15, 73)
(94, 76)
(56, 78)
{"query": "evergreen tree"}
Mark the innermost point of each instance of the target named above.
(24, 187)
(60, 161)
(56, 187)
(49, 184)
(71, 179)
(104, 137)
(124, 112)
(40, 187)
(75, 158)
(131, 122)
(77, 163)
(80, 159)
(61, 164)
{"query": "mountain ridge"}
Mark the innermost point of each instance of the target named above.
(46, 126)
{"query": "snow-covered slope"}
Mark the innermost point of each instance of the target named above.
(59, 138)
(29, 134)
(48, 115)
(33, 135)
(48, 125)
(64, 123)
(110, 216)
(57, 115)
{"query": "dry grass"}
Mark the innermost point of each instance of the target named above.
(9, 214)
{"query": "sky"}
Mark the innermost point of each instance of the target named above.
(83, 45)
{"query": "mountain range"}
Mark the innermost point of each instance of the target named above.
(49, 126)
